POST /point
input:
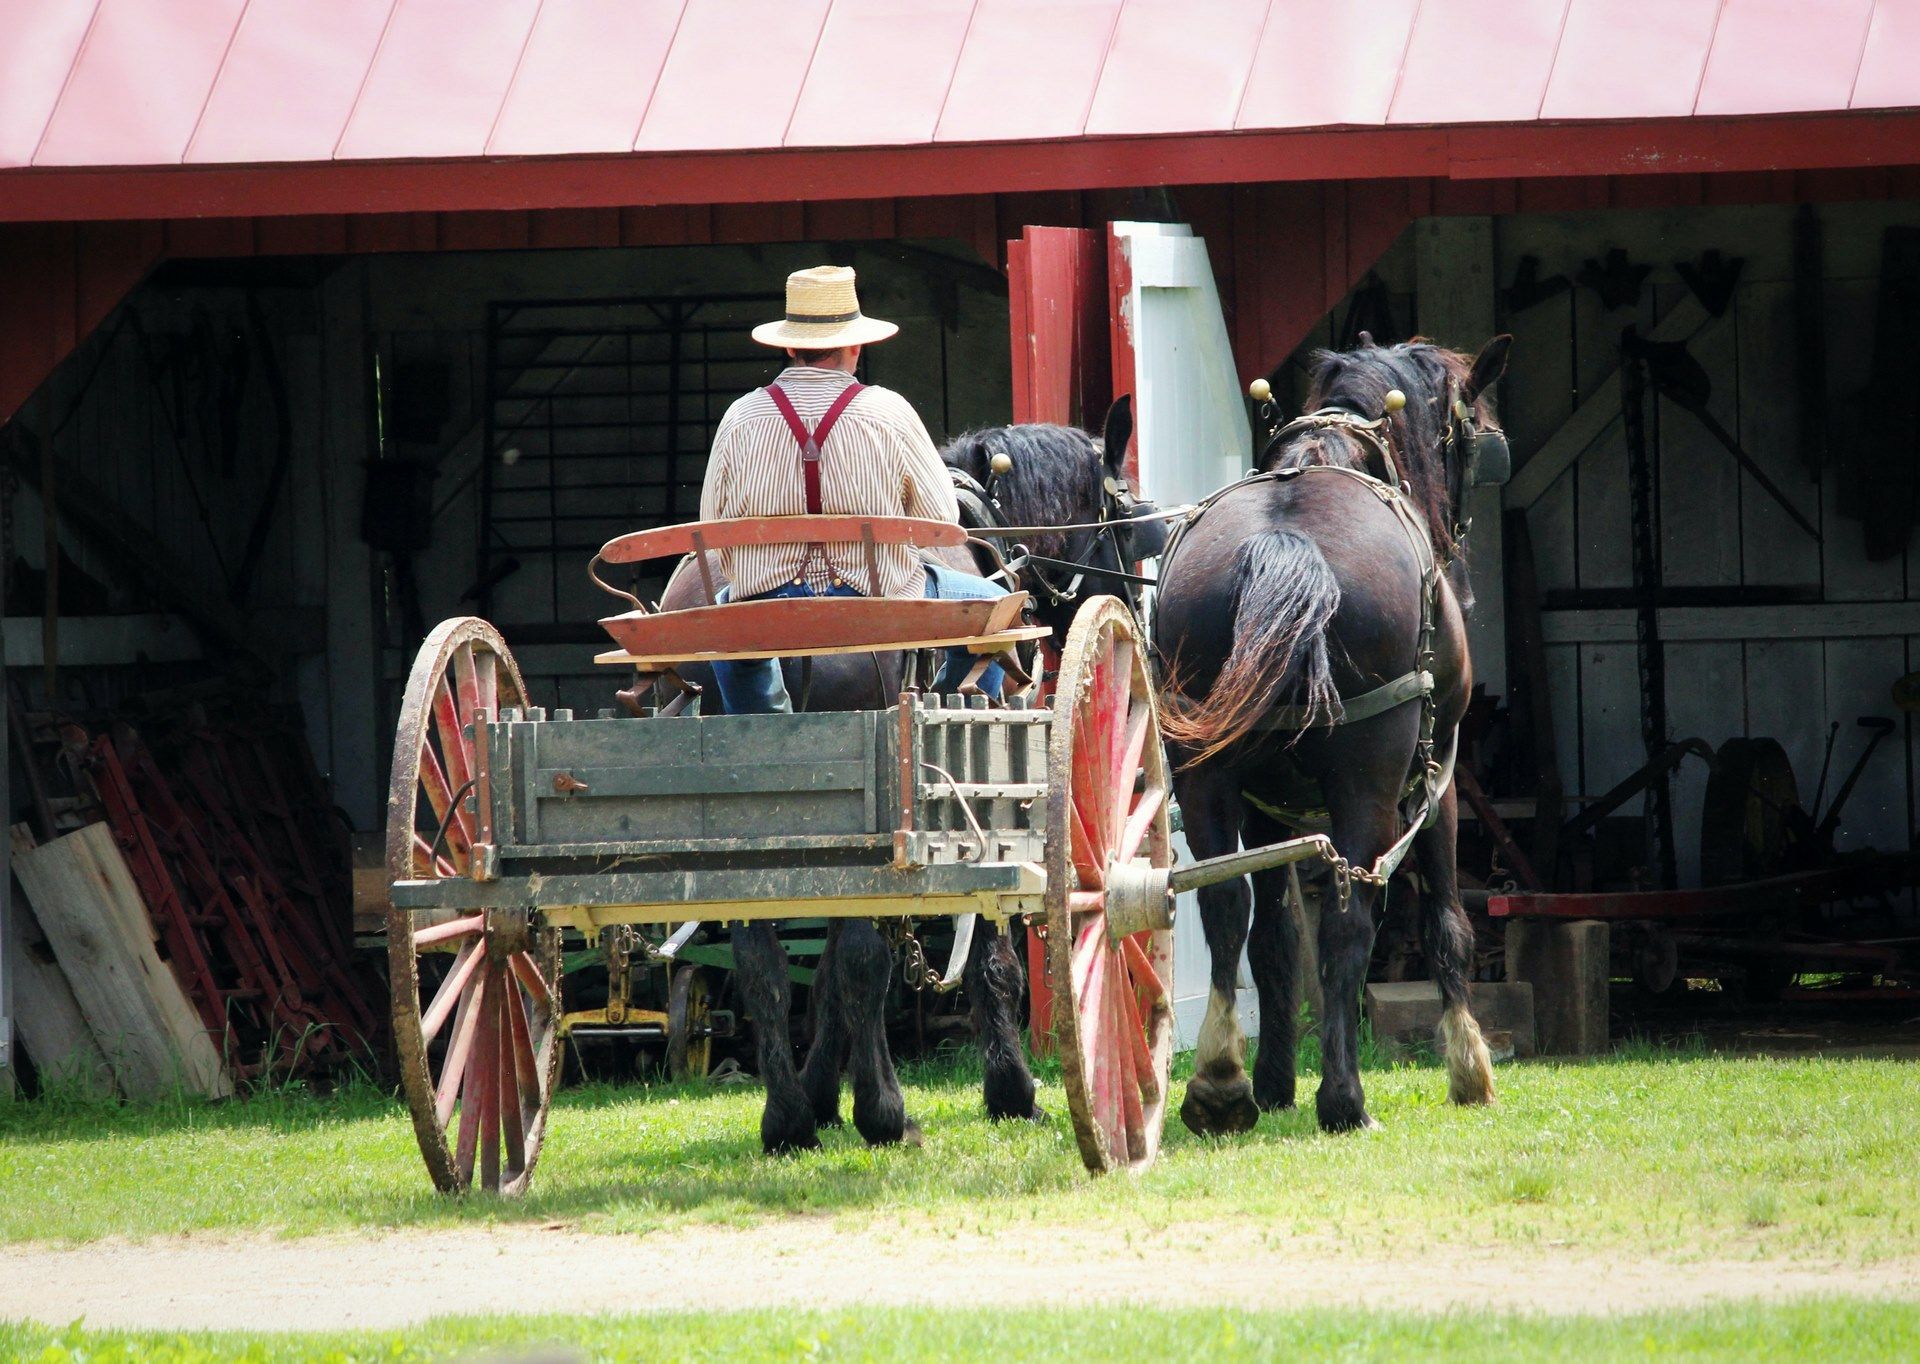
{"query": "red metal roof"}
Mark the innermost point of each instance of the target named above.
(292, 106)
(133, 82)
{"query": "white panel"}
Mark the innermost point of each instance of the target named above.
(1193, 437)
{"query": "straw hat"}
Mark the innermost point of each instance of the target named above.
(823, 313)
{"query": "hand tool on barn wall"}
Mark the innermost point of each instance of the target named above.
(1532, 700)
(1651, 655)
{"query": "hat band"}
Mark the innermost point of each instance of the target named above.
(811, 319)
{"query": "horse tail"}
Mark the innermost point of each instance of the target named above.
(1286, 599)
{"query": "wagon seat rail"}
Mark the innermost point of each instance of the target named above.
(798, 627)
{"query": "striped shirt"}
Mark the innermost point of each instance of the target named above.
(878, 461)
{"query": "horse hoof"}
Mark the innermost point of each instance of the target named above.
(790, 1143)
(1347, 1120)
(1214, 1108)
(1274, 1096)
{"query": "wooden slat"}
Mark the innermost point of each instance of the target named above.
(1598, 412)
(52, 1027)
(795, 626)
(736, 532)
(87, 903)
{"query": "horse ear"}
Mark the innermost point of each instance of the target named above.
(1119, 430)
(1488, 366)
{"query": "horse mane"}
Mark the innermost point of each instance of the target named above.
(1056, 478)
(1357, 381)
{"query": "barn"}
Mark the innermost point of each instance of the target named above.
(321, 323)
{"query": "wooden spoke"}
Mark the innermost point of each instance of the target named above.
(1146, 980)
(513, 1113)
(1111, 1014)
(450, 991)
(1087, 901)
(487, 1075)
(529, 977)
(1145, 811)
(452, 928)
(494, 1012)
(453, 1074)
(424, 857)
(457, 752)
(1089, 858)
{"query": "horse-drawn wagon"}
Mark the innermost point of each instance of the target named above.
(509, 826)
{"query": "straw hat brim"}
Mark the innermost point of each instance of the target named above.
(858, 331)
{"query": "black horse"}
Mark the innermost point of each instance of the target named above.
(1287, 594)
(1057, 477)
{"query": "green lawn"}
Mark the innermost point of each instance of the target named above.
(1863, 1331)
(1677, 1154)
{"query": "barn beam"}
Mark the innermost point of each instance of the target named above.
(1597, 412)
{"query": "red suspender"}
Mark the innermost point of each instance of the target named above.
(811, 442)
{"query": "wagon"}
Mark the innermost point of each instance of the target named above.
(509, 825)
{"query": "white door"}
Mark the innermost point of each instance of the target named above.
(1193, 437)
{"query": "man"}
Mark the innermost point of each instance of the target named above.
(871, 457)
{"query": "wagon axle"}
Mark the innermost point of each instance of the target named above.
(1140, 897)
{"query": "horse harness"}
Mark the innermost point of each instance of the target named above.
(1428, 777)
(1117, 509)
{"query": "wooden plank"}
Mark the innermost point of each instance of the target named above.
(988, 644)
(1786, 691)
(1454, 264)
(1772, 549)
(1598, 410)
(1699, 485)
(86, 901)
(740, 532)
(777, 627)
(46, 1015)
(1611, 747)
(1706, 699)
(1810, 620)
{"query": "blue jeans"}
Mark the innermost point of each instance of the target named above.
(755, 686)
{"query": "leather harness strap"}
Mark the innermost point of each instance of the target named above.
(812, 442)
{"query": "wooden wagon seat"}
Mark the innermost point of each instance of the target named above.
(797, 627)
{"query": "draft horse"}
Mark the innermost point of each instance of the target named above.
(1052, 476)
(1315, 668)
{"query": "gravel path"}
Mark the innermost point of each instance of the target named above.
(386, 1280)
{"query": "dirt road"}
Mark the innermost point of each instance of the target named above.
(388, 1280)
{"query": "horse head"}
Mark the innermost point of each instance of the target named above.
(1439, 432)
(1047, 476)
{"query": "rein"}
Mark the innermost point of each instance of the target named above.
(1115, 497)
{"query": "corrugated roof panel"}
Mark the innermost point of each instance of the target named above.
(1177, 66)
(1321, 65)
(1478, 61)
(438, 79)
(733, 76)
(43, 37)
(1631, 59)
(1029, 70)
(139, 83)
(880, 73)
(289, 81)
(1783, 56)
(586, 77)
(1890, 67)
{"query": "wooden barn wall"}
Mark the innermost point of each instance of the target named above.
(1784, 671)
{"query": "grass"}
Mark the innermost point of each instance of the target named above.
(1674, 1153)
(1866, 1331)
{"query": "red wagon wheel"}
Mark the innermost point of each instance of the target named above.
(484, 1051)
(1107, 798)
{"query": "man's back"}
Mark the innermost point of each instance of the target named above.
(877, 461)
